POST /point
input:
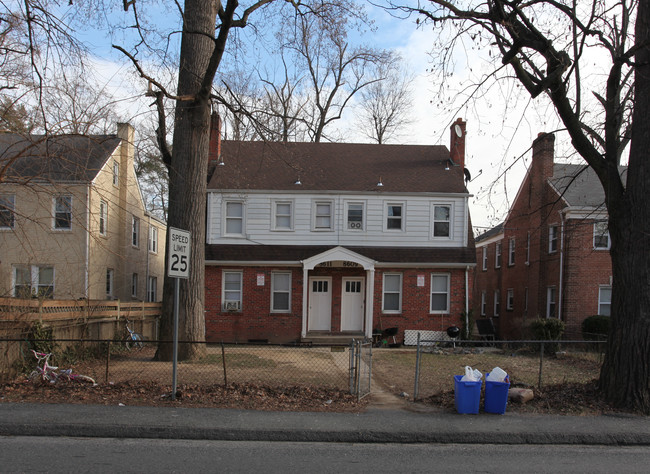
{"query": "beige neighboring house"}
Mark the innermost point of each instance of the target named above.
(73, 222)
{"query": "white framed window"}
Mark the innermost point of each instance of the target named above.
(103, 217)
(116, 173)
(153, 239)
(497, 255)
(550, 302)
(483, 302)
(152, 289)
(234, 212)
(552, 239)
(440, 292)
(510, 299)
(394, 217)
(134, 285)
(7, 211)
(323, 212)
(135, 231)
(231, 293)
(511, 251)
(282, 215)
(63, 212)
(485, 258)
(33, 281)
(601, 235)
(497, 303)
(392, 293)
(110, 273)
(442, 221)
(605, 300)
(281, 292)
(355, 216)
(528, 248)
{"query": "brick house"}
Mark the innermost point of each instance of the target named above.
(309, 242)
(73, 222)
(550, 257)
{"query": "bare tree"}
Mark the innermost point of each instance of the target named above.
(547, 45)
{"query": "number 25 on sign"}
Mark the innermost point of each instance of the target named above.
(179, 253)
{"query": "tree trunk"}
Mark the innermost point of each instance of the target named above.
(187, 180)
(625, 374)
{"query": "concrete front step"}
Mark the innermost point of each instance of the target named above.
(331, 339)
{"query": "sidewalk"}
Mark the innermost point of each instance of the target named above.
(374, 426)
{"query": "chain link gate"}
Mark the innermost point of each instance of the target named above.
(360, 368)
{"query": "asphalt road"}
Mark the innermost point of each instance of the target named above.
(98, 455)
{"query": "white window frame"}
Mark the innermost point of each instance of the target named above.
(228, 218)
(34, 280)
(282, 202)
(388, 217)
(152, 289)
(497, 303)
(231, 292)
(392, 292)
(134, 285)
(8, 202)
(447, 293)
(602, 302)
(551, 303)
(116, 173)
(274, 291)
(316, 216)
(483, 302)
(103, 217)
(135, 232)
(552, 238)
(510, 299)
(449, 221)
(511, 251)
(497, 255)
(599, 233)
(153, 239)
(56, 200)
(348, 223)
(485, 258)
(110, 283)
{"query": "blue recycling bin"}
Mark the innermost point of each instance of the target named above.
(467, 395)
(496, 396)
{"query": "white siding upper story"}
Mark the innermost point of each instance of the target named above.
(355, 219)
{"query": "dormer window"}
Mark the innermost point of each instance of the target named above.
(442, 221)
(355, 216)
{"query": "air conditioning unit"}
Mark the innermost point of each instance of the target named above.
(231, 305)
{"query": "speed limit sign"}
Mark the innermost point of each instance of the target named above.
(178, 265)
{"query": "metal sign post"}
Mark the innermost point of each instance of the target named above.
(178, 266)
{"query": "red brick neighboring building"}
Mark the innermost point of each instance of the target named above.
(308, 242)
(550, 257)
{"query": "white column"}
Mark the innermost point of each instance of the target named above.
(370, 301)
(305, 287)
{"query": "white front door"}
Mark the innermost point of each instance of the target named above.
(320, 304)
(352, 304)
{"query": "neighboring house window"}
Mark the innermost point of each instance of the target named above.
(283, 216)
(442, 221)
(103, 217)
(232, 291)
(483, 302)
(281, 292)
(511, 251)
(392, 297)
(63, 212)
(234, 218)
(439, 293)
(153, 239)
(355, 216)
(510, 299)
(394, 217)
(605, 300)
(485, 258)
(552, 239)
(116, 173)
(601, 235)
(33, 281)
(528, 248)
(152, 289)
(550, 302)
(7, 211)
(497, 303)
(109, 282)
(135, 231)
(497, 255)
(134, 285)
(322, 215)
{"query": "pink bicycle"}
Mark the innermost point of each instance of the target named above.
(48, 373)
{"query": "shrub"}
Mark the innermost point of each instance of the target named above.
(596, 327)
(548, 329)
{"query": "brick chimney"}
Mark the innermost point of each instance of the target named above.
(214, 156)
(543, 154)
(457, 143)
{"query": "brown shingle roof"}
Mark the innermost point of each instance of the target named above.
(277, 166)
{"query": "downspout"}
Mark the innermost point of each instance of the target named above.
(466, 301)
(87, 263)
(560, 286)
